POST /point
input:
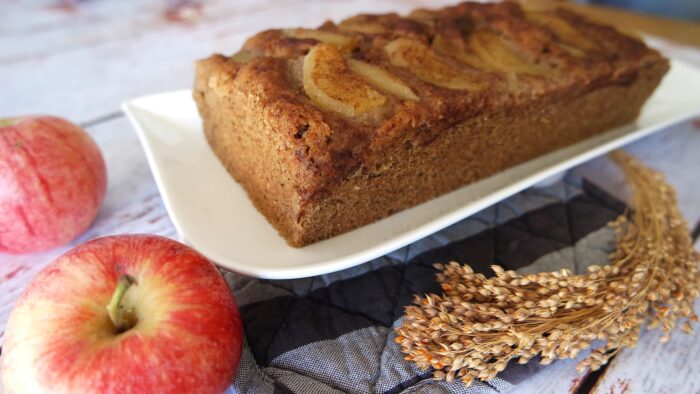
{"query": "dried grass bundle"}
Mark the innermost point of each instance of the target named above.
(479, 324)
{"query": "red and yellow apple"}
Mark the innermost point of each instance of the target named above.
(129, 313)
(52, 183)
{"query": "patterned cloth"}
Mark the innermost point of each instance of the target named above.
(334, 333)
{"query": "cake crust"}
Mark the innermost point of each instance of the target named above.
(493, 85)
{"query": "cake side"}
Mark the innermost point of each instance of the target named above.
(238, 125)
(334, 128)
(471, 151)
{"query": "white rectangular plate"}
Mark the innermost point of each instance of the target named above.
(213, 214)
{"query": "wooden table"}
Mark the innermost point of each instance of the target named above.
(80, 60)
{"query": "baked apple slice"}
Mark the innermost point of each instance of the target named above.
(457, 50)
(329, 84)
(428, 66)
(362, 24)
(563, 30)
(426, 17)
(343, 42)
(381, 79)
(242, 56)
(502, 56)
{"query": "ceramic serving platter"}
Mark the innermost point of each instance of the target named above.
(213, 214)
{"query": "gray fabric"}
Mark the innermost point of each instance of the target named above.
(594, 249)
(299, 383)
(249, 378)
(357, 353)
(250, 291)
(334, 333)
(393, 368)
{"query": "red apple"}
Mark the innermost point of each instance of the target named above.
(52, 182)
(129, 313)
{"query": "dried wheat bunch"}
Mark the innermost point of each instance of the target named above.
(479, 324)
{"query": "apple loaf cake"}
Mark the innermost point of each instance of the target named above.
(332, 128)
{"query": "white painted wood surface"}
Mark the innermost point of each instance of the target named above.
(79, 60)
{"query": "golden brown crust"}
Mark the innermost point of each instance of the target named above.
(315, 172)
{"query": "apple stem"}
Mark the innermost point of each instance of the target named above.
(122, 320)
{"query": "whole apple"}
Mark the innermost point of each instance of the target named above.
(52, 183)
(129, 313)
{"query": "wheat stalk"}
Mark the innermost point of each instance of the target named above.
(479, 324)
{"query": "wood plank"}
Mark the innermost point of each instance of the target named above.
(653, 367)
(49, 29)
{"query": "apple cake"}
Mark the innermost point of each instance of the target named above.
(332, 128)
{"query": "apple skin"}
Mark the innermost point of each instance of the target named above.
(52, 182)
(188, 337)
